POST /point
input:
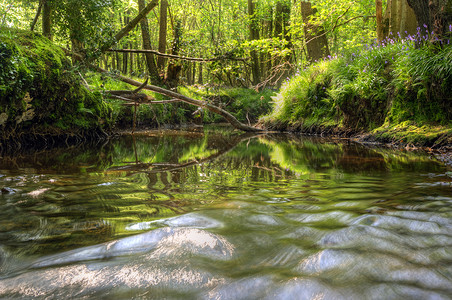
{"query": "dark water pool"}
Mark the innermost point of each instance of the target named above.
(219, 215)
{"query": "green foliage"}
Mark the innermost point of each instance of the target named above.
(38, 87)
(152, 115)
(378, 88)
(245, 104)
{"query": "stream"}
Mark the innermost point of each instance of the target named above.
(216, 214)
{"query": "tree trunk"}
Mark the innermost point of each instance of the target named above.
(193, 73)
(278, 20)
(399, 19)
(379, 15)
(38, 13)
(316, 41)
(254, 35)
(150, 61)
(162, 33)
(436, 15)
(200, 81)
(174, 67)
(47, 19)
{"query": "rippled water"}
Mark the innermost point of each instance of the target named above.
(220, 215)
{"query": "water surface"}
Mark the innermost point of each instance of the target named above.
(216, 214)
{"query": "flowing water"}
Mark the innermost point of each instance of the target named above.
(220, 215)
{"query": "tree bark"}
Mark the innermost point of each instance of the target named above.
(317, 43)
(379, 15)
(150, 61)
(162, 32)
(47, 19)
(436, 15)
(254, 35)
(174, 67)
(399, 19)
(200, 81)
(38, 13)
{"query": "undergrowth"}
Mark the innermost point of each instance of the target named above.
(40, 91)
(246, 105)
(383, 87)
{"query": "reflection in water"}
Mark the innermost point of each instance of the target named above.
(225, 216)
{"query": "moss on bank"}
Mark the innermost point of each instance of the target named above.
(41, 94)
(397, 93)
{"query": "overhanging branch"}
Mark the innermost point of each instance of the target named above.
(221, 57)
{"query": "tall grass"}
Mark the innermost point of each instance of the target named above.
(396, 81)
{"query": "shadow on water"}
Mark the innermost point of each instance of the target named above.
(219, 214)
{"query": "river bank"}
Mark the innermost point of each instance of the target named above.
(397, 92)
(397, 95)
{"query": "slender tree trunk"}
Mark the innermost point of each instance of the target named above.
(47, 19)
(200, 81)
(316, 41)
(113, 62)
(270, 35)
(379, 15)
(254, 35)
(118, 62)
(38, 13)
(150, 60)
(278, 20)
(193, 76)
(125, 56)
(162, 32)
(132, 62)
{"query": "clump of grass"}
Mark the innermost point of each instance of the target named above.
(384, 85)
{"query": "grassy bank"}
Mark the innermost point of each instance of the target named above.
(43, 97)
(41, 94)
(396, 92)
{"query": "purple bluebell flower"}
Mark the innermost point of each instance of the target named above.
(425, 25)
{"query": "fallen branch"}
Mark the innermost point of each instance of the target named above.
(154, 102)
(215, 109)
(203, 104)
(221, 57)
(141, 86)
